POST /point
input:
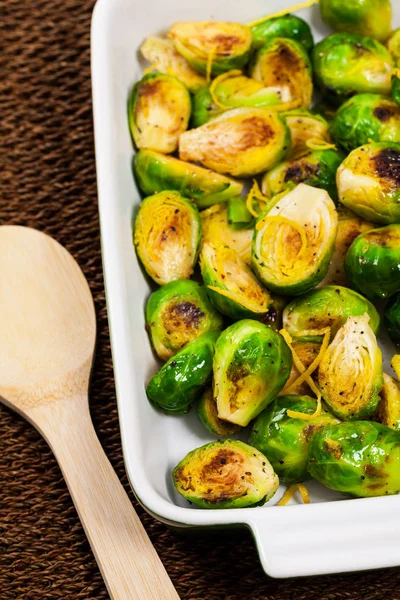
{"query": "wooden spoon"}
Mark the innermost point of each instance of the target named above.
(47, 336)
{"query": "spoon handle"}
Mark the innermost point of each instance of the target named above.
(125, 555)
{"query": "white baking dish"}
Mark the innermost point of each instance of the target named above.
(332, 534)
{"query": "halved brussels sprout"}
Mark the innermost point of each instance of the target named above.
(328, 306)
(227, 474)
(284, 440)
(305, 126)
(159, 111)
(161, 53)
(307, 348)
(284, 63)
(360, 458)
(350, 372)
(167, 236)
(238, 214)
(182, 379)
(389, 406)
(365, 17)
(294, 240)
(368, 182)
(231, 285)
(240, 142)
(373, 262)
(156, 172)
(346, 64)
(177, 314)
(286, 26)
(392, 319)
(222, 45)
(366, 117)
(252, 363)
(208, 415)
(217, 230)
(315, 167)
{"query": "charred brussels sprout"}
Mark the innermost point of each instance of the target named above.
(240, 142)
(368, 182)
(373, 262)
(181, 380)
(217, 230)
(366, 117)
(328, 306)
(294, 240)
(227, 474)
(167, 236)
(389, 406)
(208, 415)
(365, 17)
(360, 458)
(225, 46)
(287, 26)
(284, 63)
(392, 319)
(231, 285)
(350, 372)
(252, 363)
(177, 314)
(305, 126)
(156, 172)
(284, 440)
(159, 111)
(347, 64)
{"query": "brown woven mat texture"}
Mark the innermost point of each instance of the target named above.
(48, 182)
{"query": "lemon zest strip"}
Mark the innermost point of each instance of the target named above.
(315, 363)
(315, 144)
(217, 81)
(255, 194)
(290, 492)
(210, 59)
(149, 69)
(284, 12)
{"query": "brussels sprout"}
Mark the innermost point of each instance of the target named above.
(231, 285)
(314, 167)
(396, 88)
(217, 230)
(284, 63)
(359, 458)
(240, 142)
(392, 319)
(368, 182)
(294, 240)
(328, 306)
(350, 372)
(366, 117)
(224, 46)
(156, 172)
(182, 379)
(365, 17)
(286, 26)
(393, 45)
(388, 412)
(305, 126)
(238, 214)
(373, 262)
(307, 348)
(347, 64)
(208, 415)
(227, 474)
(177, 314)
(284, 440)
(159, 111)
(161, 53)
(167, 236)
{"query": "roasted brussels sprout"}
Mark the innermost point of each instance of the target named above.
(314, 167)
(294, 240)
(286, 26)
(238, 214)
(181, 380)
(217, 230)
(393, 45)
(284, 440)
(227, 474)
(240, 142)
(232, 286)
(159, 111)
(177, 314)
(350, 372)
(208, 415)
(360, 458)
(218, 46)
(346, 64)
(373, 262)
(307, 348)
(167, 236)
(392, 319)
(156, 172)
(365, 17)
(366, 117)
(328, 306)
(161, 53)
(368, 182)
(305, 127)
(284, 63)
(396, 87)
(389, 406)
(252, 363)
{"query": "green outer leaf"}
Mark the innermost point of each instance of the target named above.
(238, 215)
(288, 26)
(391, 319)
(396, 90)
(207, 412)
(203, 108)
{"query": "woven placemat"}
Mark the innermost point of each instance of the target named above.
(48, 182)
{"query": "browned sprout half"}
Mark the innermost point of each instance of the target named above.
(389, 406)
